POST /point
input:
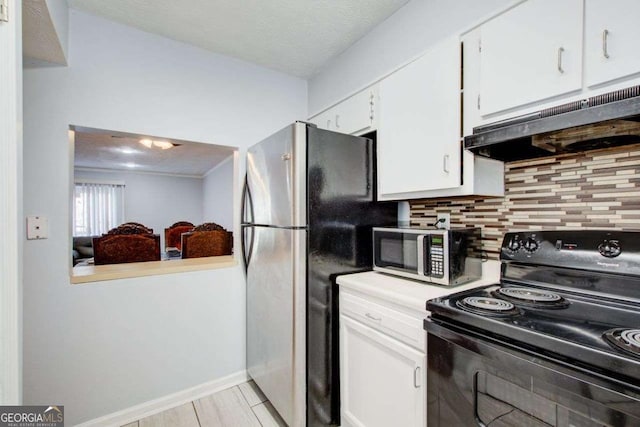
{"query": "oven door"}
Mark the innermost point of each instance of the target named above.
(474, 380)
(399, 252)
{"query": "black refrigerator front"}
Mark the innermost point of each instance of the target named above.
(307, 217)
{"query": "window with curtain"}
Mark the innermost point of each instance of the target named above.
(97, 207)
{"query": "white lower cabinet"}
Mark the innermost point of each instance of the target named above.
(382, 379)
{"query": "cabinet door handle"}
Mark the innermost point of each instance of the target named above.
(445, 163)
(560, 52)
(605, 48)
(416, 377)
(328, 124)
(338, 121)
(372, 317)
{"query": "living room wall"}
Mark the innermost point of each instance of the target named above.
(155, 200)
(104, 347)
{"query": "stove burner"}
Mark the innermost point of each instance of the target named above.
(536, 298)
(627, 340)
(533, 295)
(488, 306)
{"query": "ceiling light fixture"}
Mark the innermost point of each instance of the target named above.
(146, 142)
(164, 145)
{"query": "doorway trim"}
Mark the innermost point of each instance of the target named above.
(11, 206)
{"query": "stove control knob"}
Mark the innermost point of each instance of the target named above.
(610, 248)
(514, 244)
(531, 245)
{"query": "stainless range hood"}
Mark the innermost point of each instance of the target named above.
(601, 121)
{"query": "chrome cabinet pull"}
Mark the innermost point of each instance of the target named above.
(328, 124)
(338, 121)
(560, 52)
(372, 317)
(416, 377)
(445, 163)
(605, 48)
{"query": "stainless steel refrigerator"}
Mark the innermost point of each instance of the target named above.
(308, 209)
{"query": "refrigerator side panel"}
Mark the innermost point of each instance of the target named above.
(341, 213)
(274, 181)
(276, 319)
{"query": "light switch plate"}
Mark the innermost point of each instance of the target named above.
(37, 227)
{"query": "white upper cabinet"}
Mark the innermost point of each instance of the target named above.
(354, 115)
(612, 33)
(419, 145)
(531, 53)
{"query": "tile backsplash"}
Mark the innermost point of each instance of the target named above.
(595, 190)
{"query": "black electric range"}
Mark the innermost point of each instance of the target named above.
(562, 328)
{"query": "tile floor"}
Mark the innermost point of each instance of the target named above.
(239, 406)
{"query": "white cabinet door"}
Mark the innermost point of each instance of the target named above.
(382, 380)
(611, 37)
(356, 114)
(531, 53)
(325, 120)
(419, 131)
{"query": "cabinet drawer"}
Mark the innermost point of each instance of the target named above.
(404, 327)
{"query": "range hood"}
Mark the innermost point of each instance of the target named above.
(606, 120)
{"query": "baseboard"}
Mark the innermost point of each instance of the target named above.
(155, 406)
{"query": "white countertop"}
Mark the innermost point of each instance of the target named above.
(410, 293)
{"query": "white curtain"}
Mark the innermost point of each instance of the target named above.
(97, 208)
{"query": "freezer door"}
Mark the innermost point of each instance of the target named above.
(276, 319)
(276, 178)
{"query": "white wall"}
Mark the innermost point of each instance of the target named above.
(102, 347)
(217, 194)
(158, 201)
(397, 40)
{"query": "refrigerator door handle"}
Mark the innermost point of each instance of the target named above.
(244, 247)
(247, 203)
(247, 218)
(247, 252)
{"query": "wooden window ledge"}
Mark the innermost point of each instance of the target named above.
(97, 273)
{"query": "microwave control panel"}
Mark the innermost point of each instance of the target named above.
(436, 256)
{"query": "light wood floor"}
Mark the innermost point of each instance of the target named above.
(239, 406)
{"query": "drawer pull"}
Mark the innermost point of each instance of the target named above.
(372, 317)
(416, 377)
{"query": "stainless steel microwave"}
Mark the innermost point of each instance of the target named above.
(443, 257)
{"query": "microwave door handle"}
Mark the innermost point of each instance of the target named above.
(421, 255)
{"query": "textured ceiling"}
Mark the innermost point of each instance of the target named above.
(97, 149)
(39, 38)
(294, 36)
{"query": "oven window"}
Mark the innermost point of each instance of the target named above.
(397, 250)
(502, 402)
